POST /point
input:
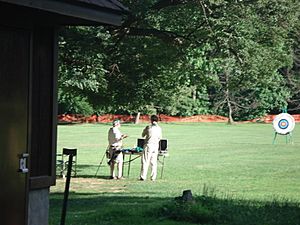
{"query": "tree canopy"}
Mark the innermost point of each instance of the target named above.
(237, 58)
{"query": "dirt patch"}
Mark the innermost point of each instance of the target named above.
(270, 118)
(90, 185)
(76, 118)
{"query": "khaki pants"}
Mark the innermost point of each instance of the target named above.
(149, 157)
(116, 159)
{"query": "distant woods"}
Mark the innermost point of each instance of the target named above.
(238, 59)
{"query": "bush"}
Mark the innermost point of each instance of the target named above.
(74, 105)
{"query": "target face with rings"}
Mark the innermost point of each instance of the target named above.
(283, 123)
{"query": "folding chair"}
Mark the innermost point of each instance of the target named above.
(62, 164)
(162, 151)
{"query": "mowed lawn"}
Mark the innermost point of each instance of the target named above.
(213, 159)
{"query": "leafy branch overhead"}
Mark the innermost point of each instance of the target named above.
(144, 22)
(183, 57)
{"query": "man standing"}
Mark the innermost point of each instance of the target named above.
(115, 138)
(152, 135)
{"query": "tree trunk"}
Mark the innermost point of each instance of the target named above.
(194, 93)
(137, 118)
(230, 119)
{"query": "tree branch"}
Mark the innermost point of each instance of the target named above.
(167, 3)
(162, 34)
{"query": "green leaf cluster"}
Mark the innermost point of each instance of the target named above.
(228, 57)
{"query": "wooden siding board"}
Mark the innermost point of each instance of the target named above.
(14, 82)
(42, 102)
(43, 110)
(54, 104)
(41, 182)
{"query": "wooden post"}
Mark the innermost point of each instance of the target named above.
(66, 194)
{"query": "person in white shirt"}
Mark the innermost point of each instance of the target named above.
(115, 138)
(152, 135)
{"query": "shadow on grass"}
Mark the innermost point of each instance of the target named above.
(121, 209)
(96, 171)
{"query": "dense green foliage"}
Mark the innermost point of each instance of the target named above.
(236, 174)
(234, 58)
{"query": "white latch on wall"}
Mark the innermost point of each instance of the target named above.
(23, 163)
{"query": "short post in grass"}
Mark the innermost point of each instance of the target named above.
(187, 197)
(71, 153)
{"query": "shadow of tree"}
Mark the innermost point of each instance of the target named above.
(121, 209)
(94, 171)
(87, 171)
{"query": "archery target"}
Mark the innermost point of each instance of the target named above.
(283, 123)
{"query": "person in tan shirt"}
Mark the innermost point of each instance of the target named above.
(152, 134)
(115, 138)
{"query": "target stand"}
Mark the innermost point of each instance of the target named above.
(284, 124)
(288, 138)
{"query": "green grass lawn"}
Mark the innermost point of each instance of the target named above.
(244, 177)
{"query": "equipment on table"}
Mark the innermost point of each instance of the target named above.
(162, 152)
(163, 145)
(132, 150)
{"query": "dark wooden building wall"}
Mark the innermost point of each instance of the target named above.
(39, 19)
(42, 97)
(43, 107)
(28, 76)
(14, 80)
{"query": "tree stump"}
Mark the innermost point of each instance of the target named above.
(187, 196)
